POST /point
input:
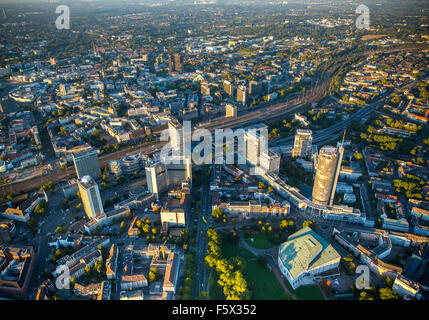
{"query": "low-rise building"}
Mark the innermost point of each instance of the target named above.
(306, 256)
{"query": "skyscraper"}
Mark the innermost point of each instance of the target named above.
(161, 175)
(270, 161)
(86, 164)
(242, 94)
(255, 144)
(90, 196)
(228, 87)
(302, 143)
(175, 129)
(156, 177)
(327, 171)
(175, 63)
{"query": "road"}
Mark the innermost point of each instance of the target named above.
(201, 240)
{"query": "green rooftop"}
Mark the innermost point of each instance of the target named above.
(306, 250)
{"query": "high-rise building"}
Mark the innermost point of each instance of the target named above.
(161, 175)
(327, 170)
(231, 110)
(242, 94)
(86, 164)
(178, 170)
(270, 161)
(156, 177)
(255, 144)
(90, 196)
(175, 63)
(228, 88)
(175, 129)
(302, 143)
(254, 88)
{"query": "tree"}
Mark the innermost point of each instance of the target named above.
(217, 213)
(388, 294)
(152, 276)
(365, 296)
(358, 156)
(261, 185)
(309, 223)
(97, 266)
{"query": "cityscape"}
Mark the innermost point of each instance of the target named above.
(214, 150)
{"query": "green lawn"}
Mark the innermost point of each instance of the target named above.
(215, 290)
(233, 250)
(259, 241)
(311, 292)
(266, 286)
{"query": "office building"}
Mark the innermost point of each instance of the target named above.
(90, 196)
(175, 129)
(178, 170)
(173, 216)
(175, 63)
(161, 175)
(302, 144)
(255, 143)
(231, 110)
(270, 161)
(156, 177)
(16, 268)
(327, 171)
(86, 164)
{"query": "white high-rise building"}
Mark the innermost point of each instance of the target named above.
(161, 175)
(175, 130)
(156, 177)
(256, 144)
(90, 196)
(270, 161)
(302, 144)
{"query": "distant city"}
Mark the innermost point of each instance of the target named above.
(317, 190)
